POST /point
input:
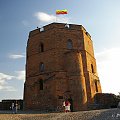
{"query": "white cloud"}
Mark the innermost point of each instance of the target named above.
(44, 17)
(4, 85)
(3, 82)
(7, 88)
(16, 56)
(108, 69)
(20, 75)
(5, 77)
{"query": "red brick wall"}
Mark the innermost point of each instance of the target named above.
(67, 72)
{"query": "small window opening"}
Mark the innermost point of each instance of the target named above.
(92, 68)
(69, 44)
(41, 47)
(41, 84)
(96, 87)
(41, 67)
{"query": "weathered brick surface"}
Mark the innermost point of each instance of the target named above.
(67, 74)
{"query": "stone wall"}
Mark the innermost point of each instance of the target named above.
(70, 72)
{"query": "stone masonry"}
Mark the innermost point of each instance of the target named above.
(60, 65)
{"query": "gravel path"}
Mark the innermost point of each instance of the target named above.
(108, 114)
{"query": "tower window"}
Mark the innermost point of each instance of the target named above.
(96, 87)
(69, 44)
(41, 84)
(92, 68)
(41, 47)
(41, 67)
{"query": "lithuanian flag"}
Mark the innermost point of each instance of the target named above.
(61, 12)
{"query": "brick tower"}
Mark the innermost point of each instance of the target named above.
(60, 65)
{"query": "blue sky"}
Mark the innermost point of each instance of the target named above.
(17, 17)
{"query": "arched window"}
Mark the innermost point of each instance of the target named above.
(69, 44)
(41, 84)
(41, 47)
(92, 68)
(42, 67)
(96, 87)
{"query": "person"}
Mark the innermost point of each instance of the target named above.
(13, 108)
(66, 104)
(16, 107)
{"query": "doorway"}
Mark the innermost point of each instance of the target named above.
(71, 102)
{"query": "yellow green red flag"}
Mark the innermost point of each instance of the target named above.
(58, 12)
